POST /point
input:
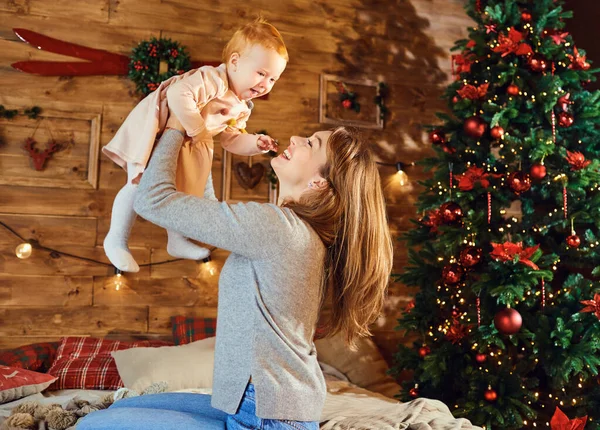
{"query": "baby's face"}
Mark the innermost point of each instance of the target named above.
(254, 72)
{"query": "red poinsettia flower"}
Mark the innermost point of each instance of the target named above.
(472, 92)
(592, 305)
(560, 421)
(461, 64)
(559, 38)
(490, 28)
(577, 160)
(512, 44)
(507, 251)
(457, 331)
(474, 174)
(578, 62)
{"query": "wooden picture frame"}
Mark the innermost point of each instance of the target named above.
(331, 110)
(76, 169)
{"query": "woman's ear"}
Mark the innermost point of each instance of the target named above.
(318, 183)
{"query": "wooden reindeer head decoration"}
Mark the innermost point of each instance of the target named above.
(39, 158)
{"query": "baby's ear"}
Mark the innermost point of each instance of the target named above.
(234, 58)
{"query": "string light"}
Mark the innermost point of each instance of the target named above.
(25, 249)
(401, 174)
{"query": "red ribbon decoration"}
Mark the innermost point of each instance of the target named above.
(560, 421)
(507, 251)
(472, 92)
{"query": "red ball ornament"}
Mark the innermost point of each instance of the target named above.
(436, 137)
(451, 213)
(424, 351)
(513, 90)
(519, 182)
(565, 119)
(452, 274)
(490, 395)
(508, 321)
(525, 16)
(538, 171)
(537, 63)
(497, 132)
(573, 241)
(480, 358)
(347, 104)
(475, 127)
(470, 256)
(414, 393)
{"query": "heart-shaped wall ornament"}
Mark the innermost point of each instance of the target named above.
(249, 177)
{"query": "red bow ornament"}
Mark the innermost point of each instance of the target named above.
(507, 251)
(512, 44)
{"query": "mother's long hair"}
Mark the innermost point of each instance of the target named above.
(349, 216)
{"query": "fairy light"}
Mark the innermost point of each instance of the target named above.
(24, 250)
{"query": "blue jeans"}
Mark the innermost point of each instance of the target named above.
(184, 411)
(246, 418)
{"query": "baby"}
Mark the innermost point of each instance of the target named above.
(208, 101)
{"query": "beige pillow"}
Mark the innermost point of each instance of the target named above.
(364, 367)
(181, 367)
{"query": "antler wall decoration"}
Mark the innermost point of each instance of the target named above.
(39, 157)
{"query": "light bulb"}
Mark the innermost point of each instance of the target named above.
(24, 250)
(402, 177)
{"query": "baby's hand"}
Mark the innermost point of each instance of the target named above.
(267, 143)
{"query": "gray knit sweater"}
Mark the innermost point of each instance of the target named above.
(269, 290)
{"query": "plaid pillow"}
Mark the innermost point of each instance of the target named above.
(187, 330)
(85, 362)
(36, 356)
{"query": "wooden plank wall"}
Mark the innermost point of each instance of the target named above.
(402, 42)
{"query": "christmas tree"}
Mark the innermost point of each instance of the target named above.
(506, 255)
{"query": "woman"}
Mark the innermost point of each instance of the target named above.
(328, 237)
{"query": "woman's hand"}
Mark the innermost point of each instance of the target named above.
(174, 123)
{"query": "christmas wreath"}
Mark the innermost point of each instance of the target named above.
(154, 61)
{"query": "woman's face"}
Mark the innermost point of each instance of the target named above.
(301, 162)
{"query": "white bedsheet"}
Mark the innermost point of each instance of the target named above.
(346, 407)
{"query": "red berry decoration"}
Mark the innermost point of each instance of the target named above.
(573, 241)
(436, 137)
(537, 63)
(480, 358)
(538, 171)
(490, 395)
(347, 104)
(508, 321)
(565, 119)
(525, 16)
(497, 132)
(424, 351)
(475, 127)
(519, 182)
(451, 213)
(455, 99)
(513, 90)
(452, 274)
(414, 393)
(470, 256)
